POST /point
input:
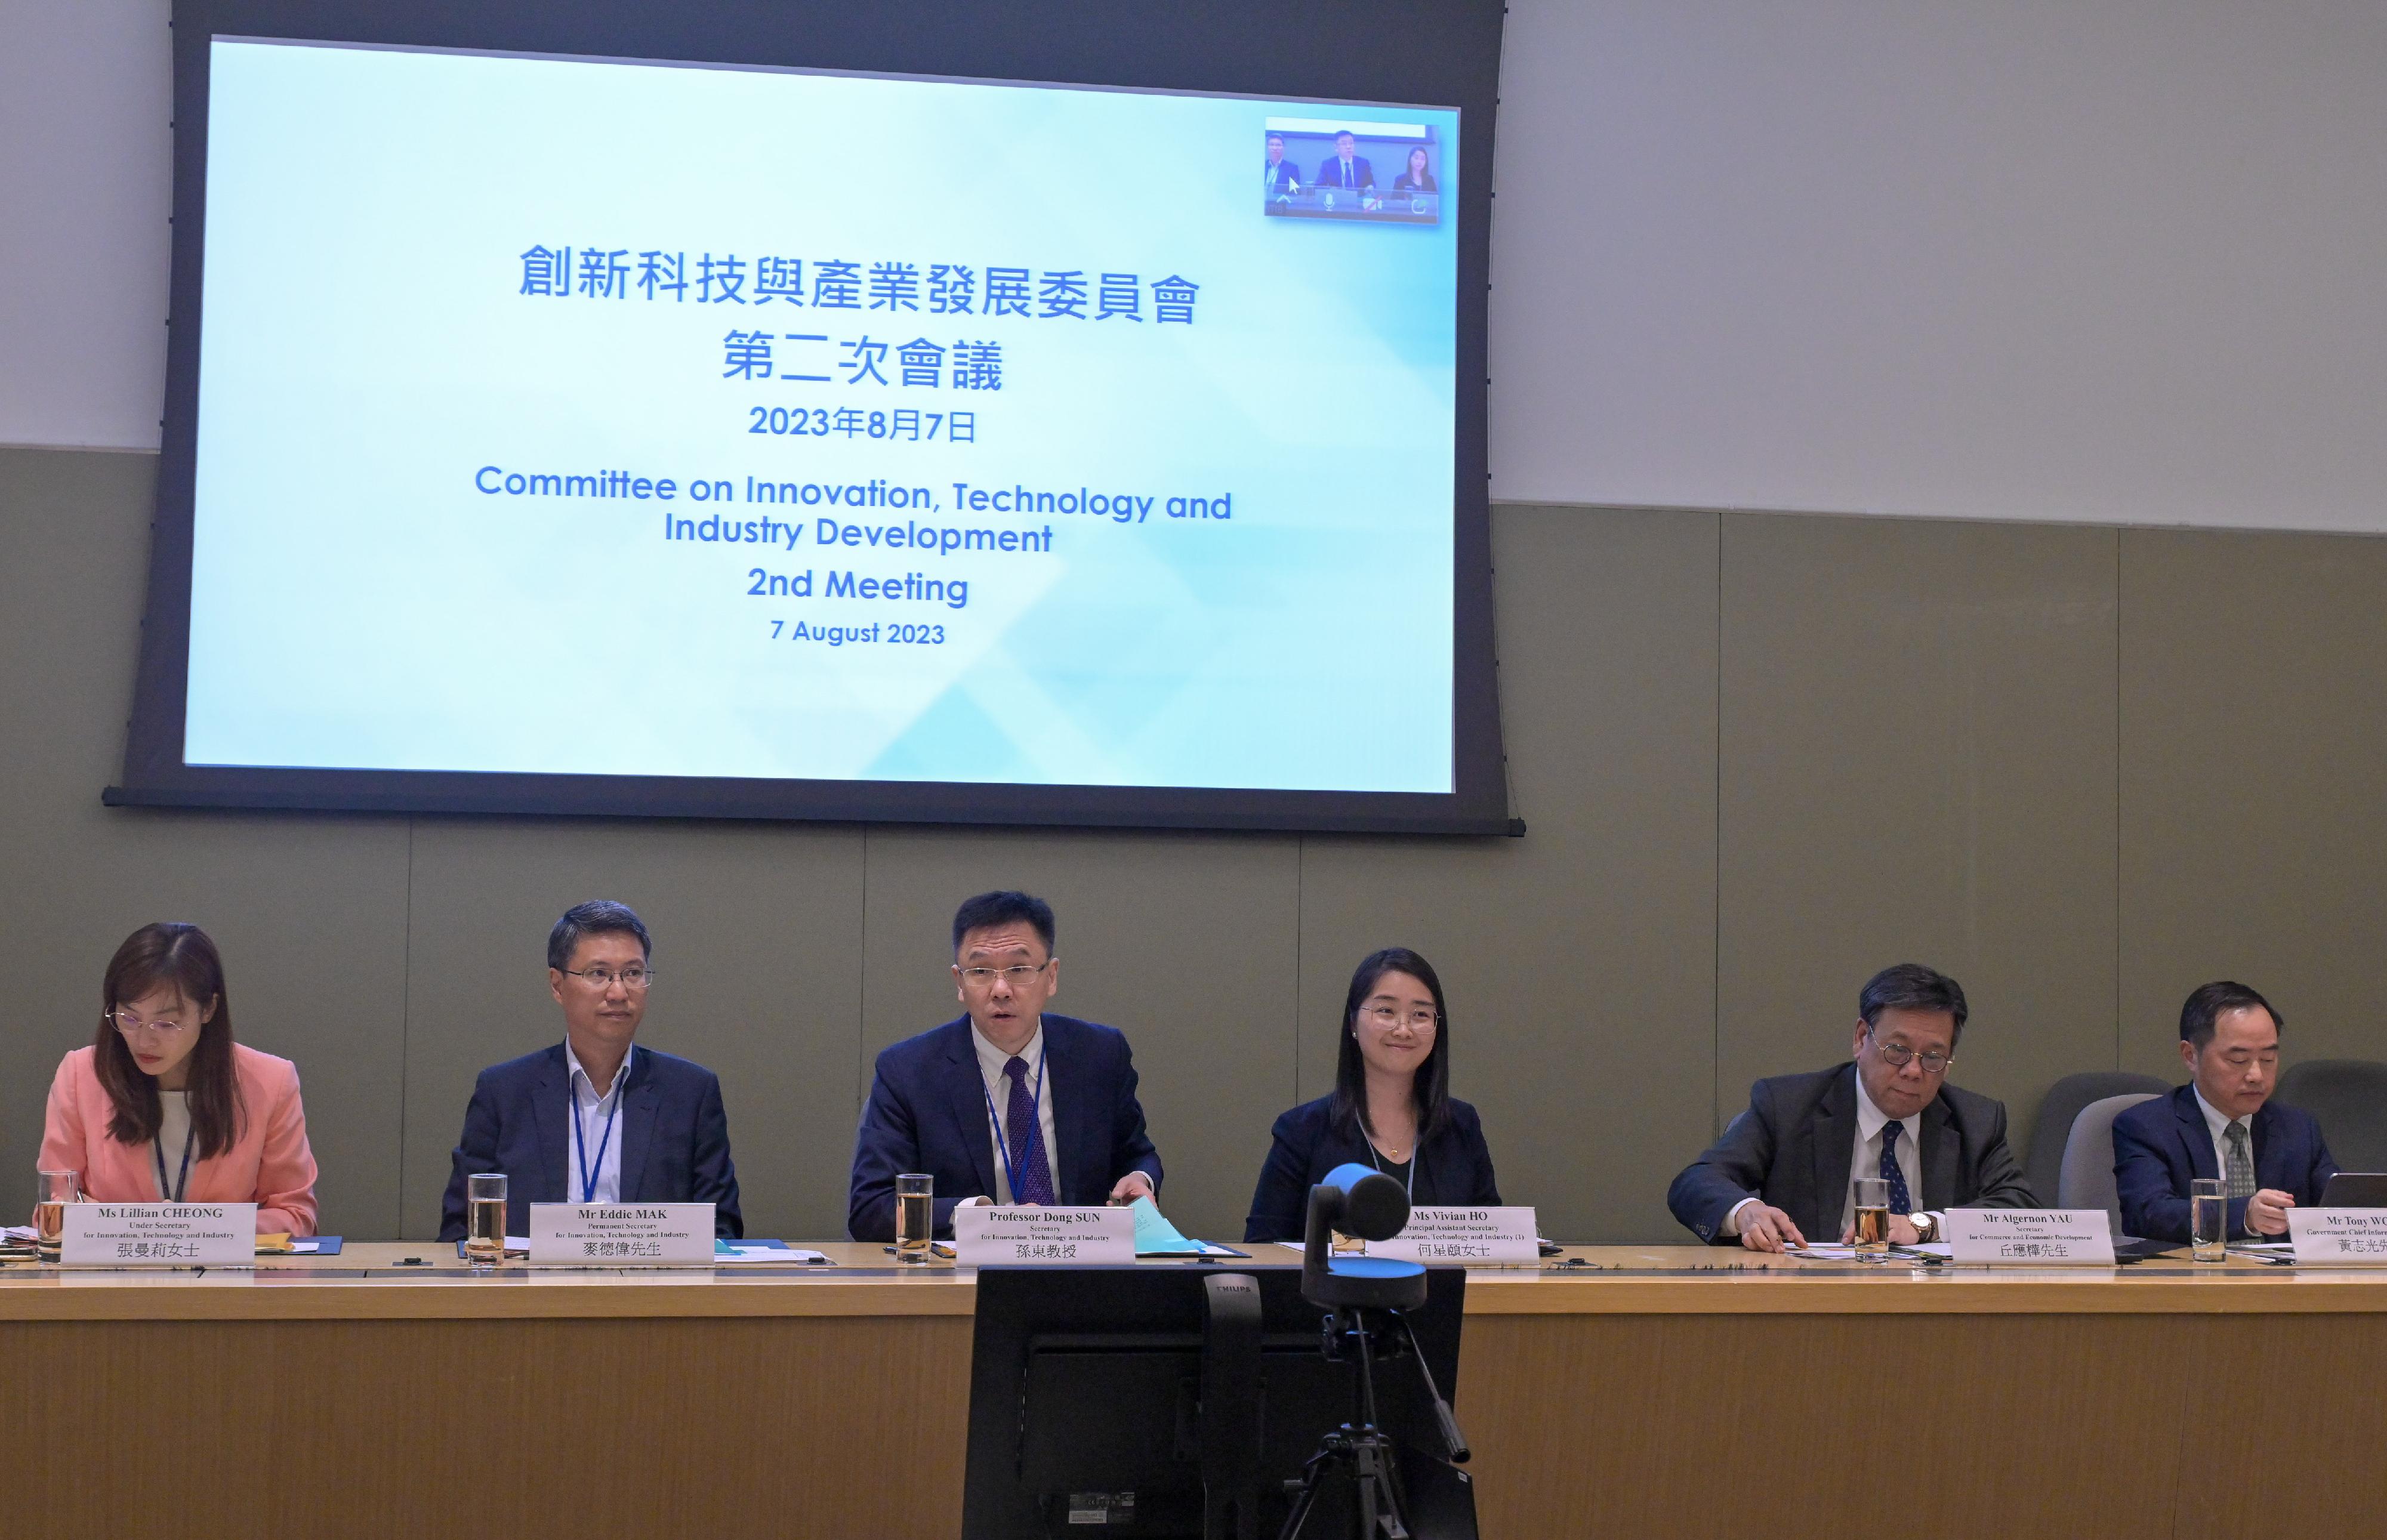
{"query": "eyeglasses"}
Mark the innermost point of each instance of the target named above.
(631, 978)
(127, 1023)
(1900, 1055)
(1016, 975)
(1386, 1018)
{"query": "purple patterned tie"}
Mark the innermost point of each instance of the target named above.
(1901, 1201)
(1032, 1178)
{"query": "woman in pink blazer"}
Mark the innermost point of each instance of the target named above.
(164, 1104)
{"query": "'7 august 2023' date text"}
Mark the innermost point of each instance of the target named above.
(882, 633)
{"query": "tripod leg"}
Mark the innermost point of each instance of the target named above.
(1312, 1477)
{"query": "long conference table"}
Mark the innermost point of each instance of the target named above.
(1614, 1391)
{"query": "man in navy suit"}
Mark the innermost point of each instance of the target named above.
(1347, 170)
(595, 1119)
(2221, 1124)
(1007, 1103)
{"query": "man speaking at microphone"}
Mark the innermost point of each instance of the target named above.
(1007, 1103)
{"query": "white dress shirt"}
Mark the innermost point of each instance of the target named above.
(589, 1112)
(990, 1061)
(1866, 1160)
(2218, 1127)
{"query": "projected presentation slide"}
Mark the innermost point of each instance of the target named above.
(570, 416)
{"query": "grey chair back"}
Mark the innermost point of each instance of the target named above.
(2043, 1167)
(2349, 1098)
(2086, 1178)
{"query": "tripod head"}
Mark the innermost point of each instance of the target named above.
(1368, 1203)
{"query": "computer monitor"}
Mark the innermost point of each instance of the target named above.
(1119, 1398)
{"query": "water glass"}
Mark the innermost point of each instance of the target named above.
(916, 1216)
(485, 1218)
(53, 1192)
(1871, 1237)
(2209, 1219)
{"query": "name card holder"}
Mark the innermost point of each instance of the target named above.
(2339, 1237)
(159, 1235)
(621, 1234)
(1442, 1235)
(2031, 1237)
(986, 1236)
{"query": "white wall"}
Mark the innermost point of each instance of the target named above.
(86, 187)
(2110, 260)
(2122, 260)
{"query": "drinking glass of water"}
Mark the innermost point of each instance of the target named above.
(916, 1216)
(2209, 1219)
(485, 1218)
(55, 1190)
(1871, 1239)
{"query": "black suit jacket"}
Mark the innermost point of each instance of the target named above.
(928, 1113)
(1792, 1148)
(1329, 172)
(675, 1138)
(1453, 1167)
(2159, 1146)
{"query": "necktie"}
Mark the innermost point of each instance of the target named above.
(1032, 1178)
(2240, 1174)
(1901, 1200)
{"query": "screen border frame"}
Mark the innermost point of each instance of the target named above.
(1447, 53)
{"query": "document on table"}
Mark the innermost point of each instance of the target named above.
(1154, 1236)
(728, 1253)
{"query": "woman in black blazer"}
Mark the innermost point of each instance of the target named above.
(1391, 1108)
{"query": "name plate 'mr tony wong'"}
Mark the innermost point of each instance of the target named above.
(159, 1234)
(2031, 1237)
(621, 1234)
(2337, 1237)
(985, 1236)
(1438, 1234)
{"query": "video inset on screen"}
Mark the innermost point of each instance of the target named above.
(1321, 169)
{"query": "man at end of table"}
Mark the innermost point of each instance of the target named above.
(1007, 1103)
(594, 1119)
(1783, 1173)
(2224, 1124)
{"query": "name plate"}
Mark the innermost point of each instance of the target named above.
(986, 1236)
(621, 1234)
(2339, 1237)
(1463, 1235)
(159, 1234)
(2031, 1237)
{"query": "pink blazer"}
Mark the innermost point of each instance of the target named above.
(268, 1164)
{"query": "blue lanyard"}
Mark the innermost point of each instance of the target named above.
(580, 1143)
(158, 1148)
(1001, 1134)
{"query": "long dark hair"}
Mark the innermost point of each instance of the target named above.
(170, 954)
(1430, 1087)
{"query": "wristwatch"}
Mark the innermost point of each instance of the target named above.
(1926, 1226)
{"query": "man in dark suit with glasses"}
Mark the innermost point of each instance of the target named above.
(1783, 1173)
(1008, 1103)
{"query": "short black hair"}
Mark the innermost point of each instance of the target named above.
(595, 918)
(1274, 139)
(1912, 987)
(1345, 134)
(2206, 1007)
(1003, 906)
